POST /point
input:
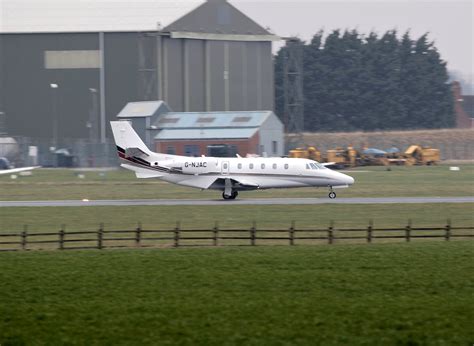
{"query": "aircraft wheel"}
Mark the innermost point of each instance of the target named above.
(234, 194)
(332, 195)
(225, 196)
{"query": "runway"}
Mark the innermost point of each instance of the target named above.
(220, 202)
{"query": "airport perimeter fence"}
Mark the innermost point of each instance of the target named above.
(215, 236)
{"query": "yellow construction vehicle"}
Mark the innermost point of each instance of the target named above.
(418, 155)
(342, 157)
(372, 157)
(309, 153)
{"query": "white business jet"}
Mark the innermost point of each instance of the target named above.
(227, 174)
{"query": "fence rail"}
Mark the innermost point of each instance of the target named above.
(215, 236)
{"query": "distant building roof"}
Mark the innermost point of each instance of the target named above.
(213, 20)
(219, 18)
(143, 109)
(200, 120)
(177, 134)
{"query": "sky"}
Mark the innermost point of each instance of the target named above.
(448, 22)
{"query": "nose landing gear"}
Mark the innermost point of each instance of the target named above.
(331, 194)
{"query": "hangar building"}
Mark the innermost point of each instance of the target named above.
(64, 86)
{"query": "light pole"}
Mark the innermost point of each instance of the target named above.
(54, 98)
(3, 126)
(93, 123)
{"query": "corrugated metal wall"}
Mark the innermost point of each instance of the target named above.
(194, 75)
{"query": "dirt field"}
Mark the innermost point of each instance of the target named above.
(454, 144)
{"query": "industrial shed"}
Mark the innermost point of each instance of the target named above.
(205, 133)
(67, 85)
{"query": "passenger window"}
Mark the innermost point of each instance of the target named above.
(239, 166)
(313, 166)
(251, 166)
(274, 166)
(286, 166)
(263, 166)
(307, 166)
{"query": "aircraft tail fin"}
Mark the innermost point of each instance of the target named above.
(127, 140)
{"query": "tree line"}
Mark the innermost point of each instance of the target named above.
(370, 82)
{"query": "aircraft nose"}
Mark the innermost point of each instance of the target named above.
(346, 179)
(349, 180)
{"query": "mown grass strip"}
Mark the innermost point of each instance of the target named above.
(378, 294)
(59, 184)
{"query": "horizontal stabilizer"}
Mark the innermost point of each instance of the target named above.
(142, 172)
(130, 152)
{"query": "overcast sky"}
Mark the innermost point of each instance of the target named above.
(449, 22)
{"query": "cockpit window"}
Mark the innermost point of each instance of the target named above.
(314, 165)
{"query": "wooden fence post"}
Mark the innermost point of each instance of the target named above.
(447, 234)
(61, 237)
(24, 235)
(215, 232)
(100, 236)
(330, 232)
(408, 231)
(177, 234)
(292, 233)
(138, 235)
(369, 231)
(253, 232)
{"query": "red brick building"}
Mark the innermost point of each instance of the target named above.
(197, 133)
(463, 107)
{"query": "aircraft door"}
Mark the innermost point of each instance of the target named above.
(225, 167)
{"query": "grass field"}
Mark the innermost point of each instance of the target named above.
(228, 216)
(47, 184)
(398, 294)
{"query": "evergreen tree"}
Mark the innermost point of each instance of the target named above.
(353, 82)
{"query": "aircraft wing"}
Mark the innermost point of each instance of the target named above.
(204, 182)
(244, 182)
(142, 172)
(199, 181)
(17, 170)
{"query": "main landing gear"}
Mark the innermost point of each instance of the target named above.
(233, 195)
(229, 192)
(332, 194)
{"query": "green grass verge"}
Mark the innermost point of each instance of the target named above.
(49, 184)
(228, 216)
(398, 294)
